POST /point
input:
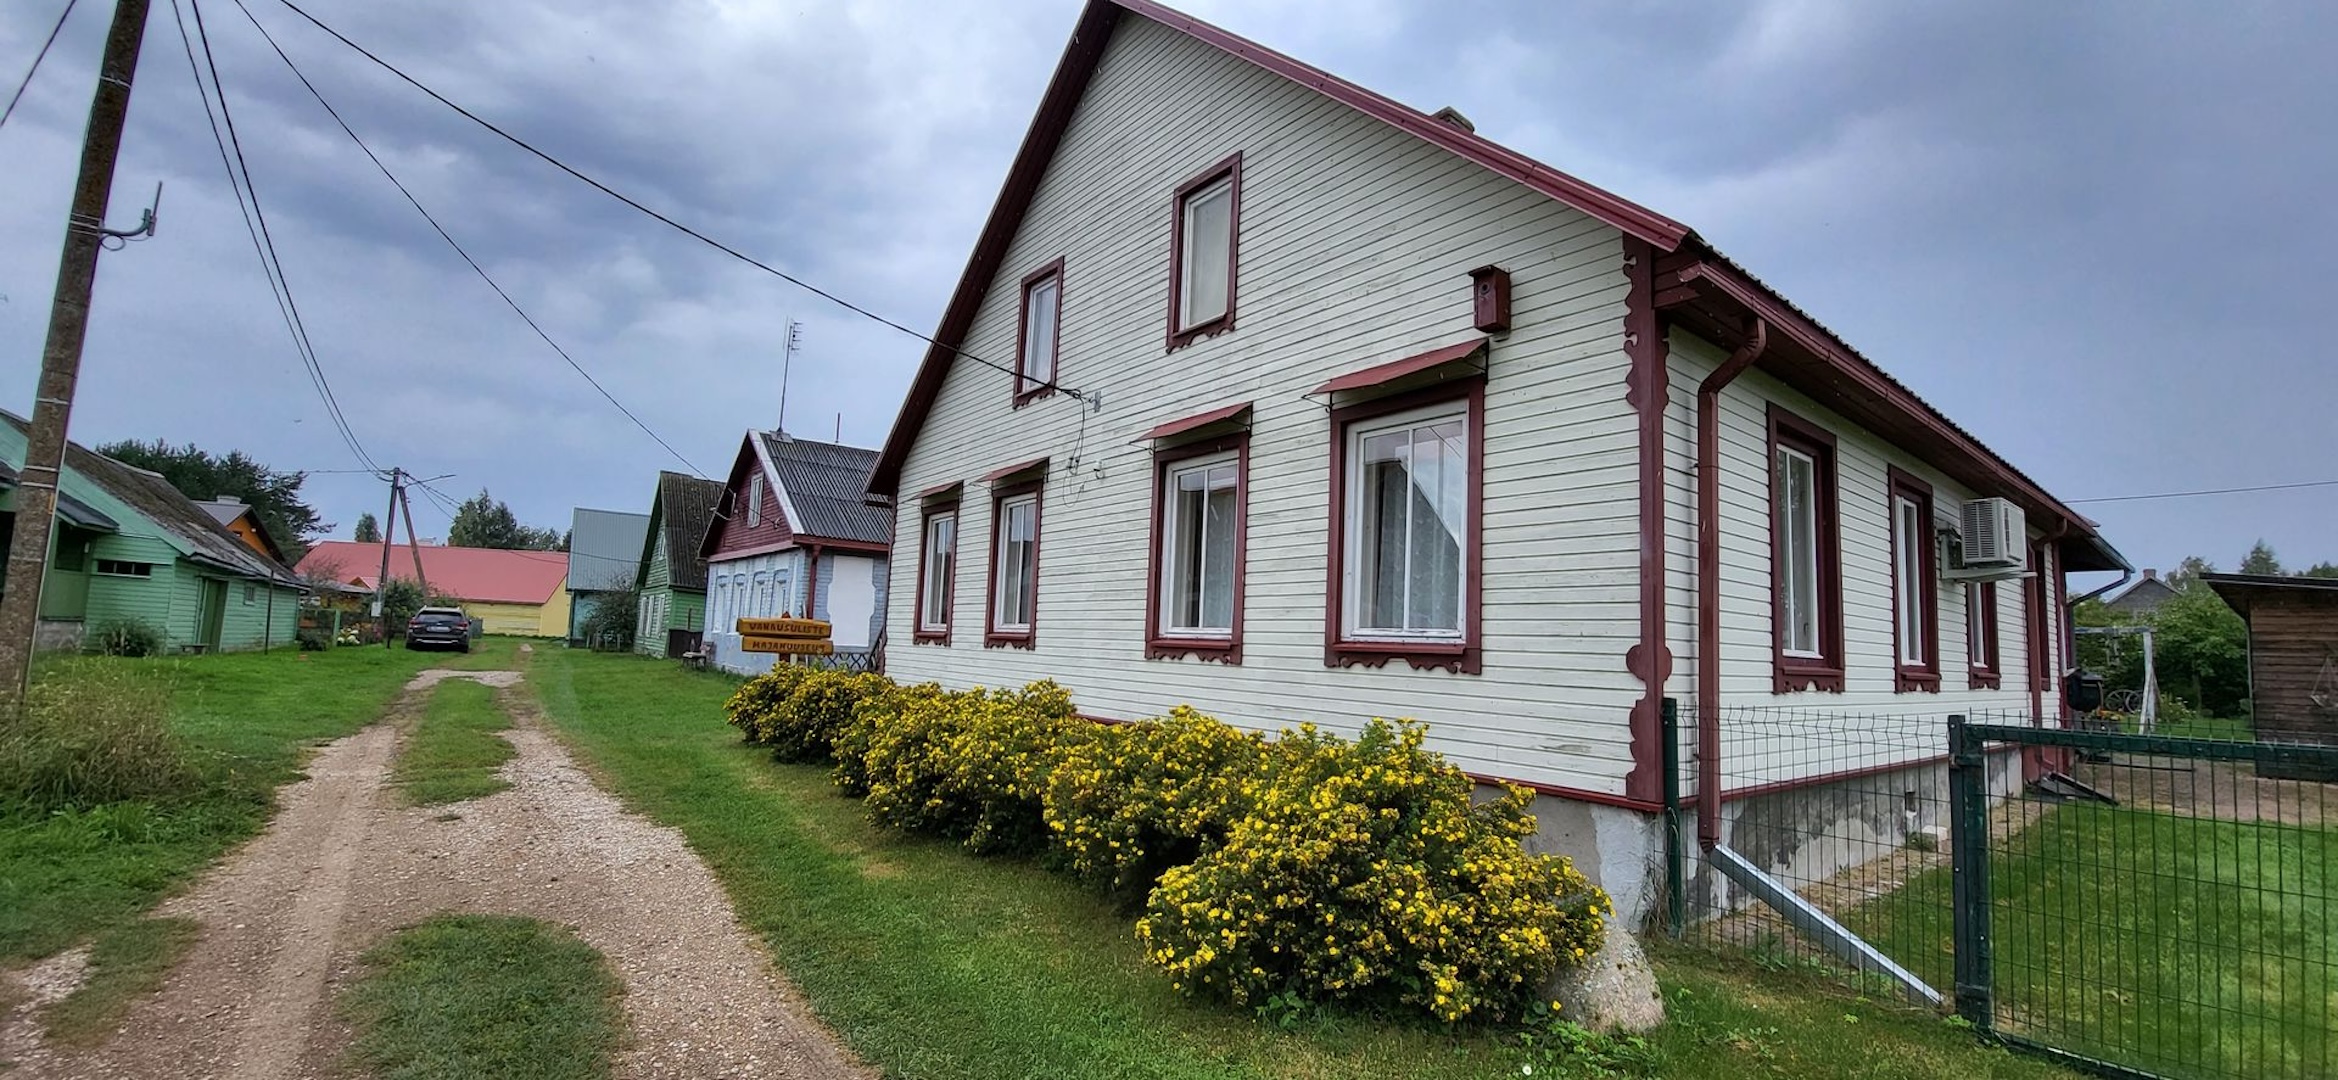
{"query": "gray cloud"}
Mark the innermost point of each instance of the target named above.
(2085, 232)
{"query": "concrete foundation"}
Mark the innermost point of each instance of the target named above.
(57, 635)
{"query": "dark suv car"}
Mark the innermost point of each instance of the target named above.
(439, 627)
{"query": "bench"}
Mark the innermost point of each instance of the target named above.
(697, 661)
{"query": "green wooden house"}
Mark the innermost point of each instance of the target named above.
(128, 545)
(673, 574)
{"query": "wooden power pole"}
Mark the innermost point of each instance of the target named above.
(44, 455)
(381, 585)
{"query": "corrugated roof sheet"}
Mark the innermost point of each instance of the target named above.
(486, 575)
(684, 511)
(827, 484)
(604, 548)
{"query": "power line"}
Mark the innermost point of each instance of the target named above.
(263, 244)
(443, 235)
(2211, 491)
(1048, 384)
(36, 63)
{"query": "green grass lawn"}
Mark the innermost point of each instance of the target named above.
(485, 997)
(2177, 945)
(454, 753)
(934, 963)
(71, 876)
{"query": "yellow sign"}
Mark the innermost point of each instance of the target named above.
(784, 628)
(786, 646)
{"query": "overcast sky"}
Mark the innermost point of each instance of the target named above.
(2089, 233)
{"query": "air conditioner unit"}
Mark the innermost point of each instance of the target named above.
(1994, 541)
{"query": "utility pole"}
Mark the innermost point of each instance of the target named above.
(381, 584)
(44, 454)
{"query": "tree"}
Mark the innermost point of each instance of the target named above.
(613, 619)
(2322, 570)
(368, 530)
(484, 522)
(2189, 571)
(273, 495)
(401, 598)
(2261, 561)
(2203, 652)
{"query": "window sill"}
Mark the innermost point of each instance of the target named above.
(1985, 680)
(930, 637)
(1179, 339)
(1007, 639)
(1791, 676)
(1915, 680)
(1223, 650)
(1026, 397)
(1458, 657)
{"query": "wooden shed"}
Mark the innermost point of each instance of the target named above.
(2293, 655)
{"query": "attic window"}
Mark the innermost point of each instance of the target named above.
(1206, 223)
(755, 501)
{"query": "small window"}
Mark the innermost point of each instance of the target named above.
(755, 501)
(1915, 586)
(118, 568)
(251, 594)
(1042, 332)
(937, 575)
(1198, 551)
(1406, 506)
(1014, 569)
(1981, 634)
(1805, 557)
(1202, 252)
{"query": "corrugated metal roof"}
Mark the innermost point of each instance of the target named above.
(485, 575)
(827, 484)
(684, 511)
(604, 548)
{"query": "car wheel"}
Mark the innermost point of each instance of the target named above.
(465, 647)
(411, 647)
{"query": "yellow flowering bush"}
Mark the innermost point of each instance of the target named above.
(850, 746)
(805, 726)
(969, 765)
(1362, 873)
(1133, 800)
(755, 707)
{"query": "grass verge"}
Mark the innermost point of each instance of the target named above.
(454, 753)
(933, 963)
(464, 996)
(125, 963)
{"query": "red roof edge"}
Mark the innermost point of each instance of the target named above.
(1080, 58)
(1005, 471)
(1188, 423)
(1397, 369)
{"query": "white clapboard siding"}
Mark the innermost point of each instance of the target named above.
(1747, 604)
(1354, 249)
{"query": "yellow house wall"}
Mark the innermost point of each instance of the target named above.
(522, 620)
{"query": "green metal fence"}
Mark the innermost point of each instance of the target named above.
(2150, 905)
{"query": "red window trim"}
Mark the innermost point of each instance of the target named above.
(933, 508)
(992, 636)
(1824, 673)
(1162, 643)
(1983, 663)
(1025, 390)
(1924, 677)
(1467, 656)
(1231, 168)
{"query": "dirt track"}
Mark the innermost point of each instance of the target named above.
(345, 862)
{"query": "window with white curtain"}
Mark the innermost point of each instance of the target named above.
(1406, 533)
(1200, 507)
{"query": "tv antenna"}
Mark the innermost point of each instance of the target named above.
(795, 341)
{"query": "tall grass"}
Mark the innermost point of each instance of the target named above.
(91, 735)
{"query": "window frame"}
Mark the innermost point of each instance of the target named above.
(1229, 170)
(1790, 672)
(1026, 389)
(1924, 675)
(1981, 634)
(754, 513)
(993, 635)
(1163, 642)
(922, 632)
(1464, 654)
(128, 568)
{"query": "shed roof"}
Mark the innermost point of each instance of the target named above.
(604, 548)
(2245, 591)
(827, 487)
(484, 575)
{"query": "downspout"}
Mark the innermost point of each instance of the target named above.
(1757, 341)
(2124, 578)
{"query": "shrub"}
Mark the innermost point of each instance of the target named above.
(805, 726)
(126, 637)
(850, 746)
(1363, 874)
(1134, 800)
(969, 765)
(86, 736)
(313, 640)
(756, 705)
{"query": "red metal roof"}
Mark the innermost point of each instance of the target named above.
(483, 575)
(1005, 471)
(1181, 426)
(1397, 369)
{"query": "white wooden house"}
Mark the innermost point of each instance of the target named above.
(1312, 406)
(794, 535)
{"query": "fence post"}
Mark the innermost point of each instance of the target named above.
(1968, 824)
(1675, 859)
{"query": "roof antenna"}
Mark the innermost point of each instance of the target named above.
(795, 340)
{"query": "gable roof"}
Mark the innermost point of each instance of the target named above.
(177, 520)
(227, 509)
(1814, 360)
(824, 486)
(604, 548)
(483, 575)
(682, 512)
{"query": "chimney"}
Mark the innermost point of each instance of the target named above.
(2150, 574)
(1453, 116)
(231, 500)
